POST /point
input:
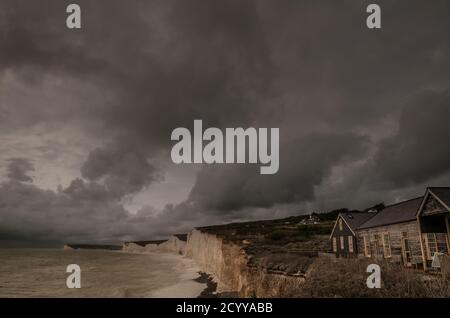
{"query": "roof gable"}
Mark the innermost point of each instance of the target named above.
(436, 201)
(432, 206)
(352, 220)
(396, 213)
(443, 195)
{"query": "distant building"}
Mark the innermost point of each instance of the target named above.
(311, 219)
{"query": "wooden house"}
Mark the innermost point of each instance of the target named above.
(343, 238)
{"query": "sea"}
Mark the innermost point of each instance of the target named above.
(42, 273)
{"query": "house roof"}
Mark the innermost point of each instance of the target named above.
(355, 219)
(443, 193)
(396, 213)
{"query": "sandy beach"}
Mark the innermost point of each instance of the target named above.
(42, 273)
(188, 285)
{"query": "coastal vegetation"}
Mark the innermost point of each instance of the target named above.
(347, 278)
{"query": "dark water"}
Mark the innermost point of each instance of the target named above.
(42, 273)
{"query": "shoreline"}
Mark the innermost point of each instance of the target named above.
(210, 290)
(193, 283)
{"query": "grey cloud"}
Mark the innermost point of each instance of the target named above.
(80, 190)
(304, 163)
(311, 68)
(419, 150)
(84, 213)
(123, 168)
(18, 169)
(194, 67)
(29, 211)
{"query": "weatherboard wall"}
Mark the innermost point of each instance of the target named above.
(396, 234)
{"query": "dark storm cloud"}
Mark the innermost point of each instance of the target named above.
(124, 169)
(29, 211)
(83, 213)
(18, 169)
(310, 68)
(419, 151)
(304, 163)
(81, 190)
(196, 62)
(183, 60)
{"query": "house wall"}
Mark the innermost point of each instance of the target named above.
(345, 233)
(395, 237)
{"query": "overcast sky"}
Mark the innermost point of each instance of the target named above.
(86, 115)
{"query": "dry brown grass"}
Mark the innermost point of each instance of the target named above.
(347, 278)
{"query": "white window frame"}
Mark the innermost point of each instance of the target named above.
(340, 225)
(350, 244)
(334, 244)
(342, 242)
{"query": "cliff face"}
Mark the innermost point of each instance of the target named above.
(227, 262)
(261, 274)
(235, 270)
(172, 245)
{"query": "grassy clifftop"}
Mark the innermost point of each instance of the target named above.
(304, 232)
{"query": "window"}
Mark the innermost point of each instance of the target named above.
(386, 245)
(431, 244)
(342, 242)
(435, 242)
(441, 242)
(334, 245)
(350, 244)
(340, 224)
(366, 246)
